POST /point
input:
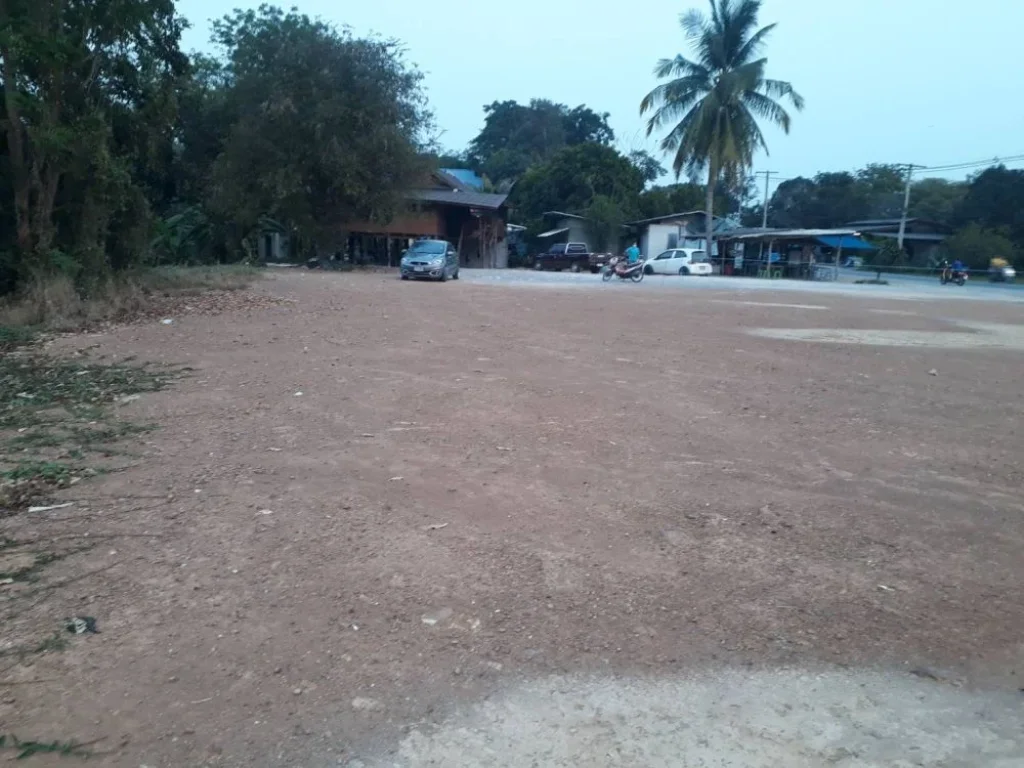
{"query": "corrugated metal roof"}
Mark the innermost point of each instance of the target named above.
(870, 222)
(464, 199)
(668, 217)
(921, 237)
(564, 215)
(553, 232)
(784, 234)
(868, 225)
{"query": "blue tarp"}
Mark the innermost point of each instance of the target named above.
(849, 242)
(467, 177)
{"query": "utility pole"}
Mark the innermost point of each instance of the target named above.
(906, 204)
(764, 213)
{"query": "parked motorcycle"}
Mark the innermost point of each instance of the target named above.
(953, 276)
(618, 268)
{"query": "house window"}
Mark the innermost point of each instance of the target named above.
(673, 239)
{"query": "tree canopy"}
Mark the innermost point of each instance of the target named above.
(875, 192)
(335, 124)
(89, 110)
(121, 151)
(517, 136)
(574, 177)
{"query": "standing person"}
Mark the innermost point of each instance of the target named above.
(632, 254)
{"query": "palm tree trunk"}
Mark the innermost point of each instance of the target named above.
(709, 206)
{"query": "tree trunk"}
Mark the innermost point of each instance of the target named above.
(709, 212)
(16, 150)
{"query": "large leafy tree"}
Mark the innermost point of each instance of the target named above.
(976, 246)
(574, 177)
(937, 199)
(517, 136)
(89, 112)
(678, 198)
(712, 103)
(326, 128)
(876, 191)
(995, 200)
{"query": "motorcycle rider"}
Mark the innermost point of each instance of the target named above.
(632, 257)
(957, 267)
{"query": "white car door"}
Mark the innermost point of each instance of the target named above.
(679, 260)
(662, 263)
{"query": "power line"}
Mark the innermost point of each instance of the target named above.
(974, 163)
(918, 168)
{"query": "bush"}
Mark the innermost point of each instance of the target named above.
(55, 302)
(976, 246)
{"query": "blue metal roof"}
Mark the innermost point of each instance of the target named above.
(467, 177)
(848, 242)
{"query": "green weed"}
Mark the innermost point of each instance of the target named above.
(25, 749)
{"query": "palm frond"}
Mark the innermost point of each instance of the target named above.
(736, 22)
(755, 139)
(693, 23)
(680, 89)
(739, 80)
(753, 45)
(672, 109)
(679, 67)
(780, 89)
(767, 109)
(679, 141)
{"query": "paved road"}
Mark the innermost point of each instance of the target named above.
(900, 286)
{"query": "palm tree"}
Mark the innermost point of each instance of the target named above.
(714, 102)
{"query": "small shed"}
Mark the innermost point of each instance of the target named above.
(675, 230)
(565, 228)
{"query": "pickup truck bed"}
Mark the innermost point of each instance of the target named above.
(576, 257)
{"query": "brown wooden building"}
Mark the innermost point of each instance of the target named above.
(443, 208)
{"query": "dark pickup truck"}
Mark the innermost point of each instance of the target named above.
(576, 257)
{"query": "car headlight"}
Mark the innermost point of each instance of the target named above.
(437, 262)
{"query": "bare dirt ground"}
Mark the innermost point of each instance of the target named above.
(374, 506)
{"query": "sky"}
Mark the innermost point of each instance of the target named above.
(885, 81)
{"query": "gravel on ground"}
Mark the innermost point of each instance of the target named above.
(377, 512)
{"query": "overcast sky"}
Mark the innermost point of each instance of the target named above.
(892, 81)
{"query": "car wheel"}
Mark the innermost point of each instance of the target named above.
(683, 272)
(443, 277)
(405, 277)
(538, 266)
(648, 270)
(574, 268)
(456, 275)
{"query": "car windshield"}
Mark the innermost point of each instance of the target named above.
(428, 248)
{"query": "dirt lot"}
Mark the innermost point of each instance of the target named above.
(377, 503)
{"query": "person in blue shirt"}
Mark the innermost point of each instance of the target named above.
(632, 254)
(957, 266)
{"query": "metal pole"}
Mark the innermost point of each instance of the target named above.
(764, 213)
(839, 255)
(906, 206)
